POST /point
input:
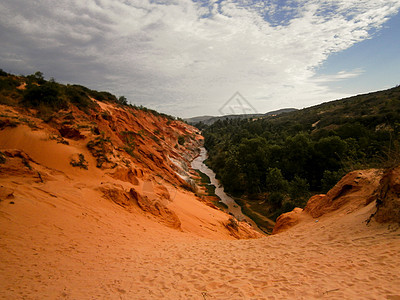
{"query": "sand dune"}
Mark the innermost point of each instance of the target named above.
(82, 247)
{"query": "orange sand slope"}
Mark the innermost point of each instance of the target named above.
(60, 241)
(130, 229)
(132, 158)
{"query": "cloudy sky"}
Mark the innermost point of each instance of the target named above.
(188, 57)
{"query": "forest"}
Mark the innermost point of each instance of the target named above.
(276, 163)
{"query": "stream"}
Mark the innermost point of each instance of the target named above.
(233, 207)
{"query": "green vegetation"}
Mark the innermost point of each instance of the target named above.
(181, 140)
(156, 139)
(26, 163)
(122, 101)
(59, 139)
(99, 148)
(279, 161)
(256, 210)
(210, 189)
(204, 178)
(48, 96)
(79, 95)
(154, 112)
(81, 162)
(3, 73)
(9, 94)
(2, 158)
(128, 137)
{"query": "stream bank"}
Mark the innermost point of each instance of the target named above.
(232, 207)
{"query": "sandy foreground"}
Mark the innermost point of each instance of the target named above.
(82, 246)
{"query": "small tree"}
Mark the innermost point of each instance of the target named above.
(276, 199)
(299, 188)
(37, 78)
(122, 100)
(275, 182)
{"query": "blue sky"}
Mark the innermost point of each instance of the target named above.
(187, 58)
(377, 60)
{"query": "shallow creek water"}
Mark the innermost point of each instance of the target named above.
(233, 207)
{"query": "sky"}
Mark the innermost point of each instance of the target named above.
(191, 57)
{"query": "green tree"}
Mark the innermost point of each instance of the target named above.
(275, 182)
(122, 100)
(275, 199)
(329, 179)
(299, 188)
(252, 159)
(297, 152)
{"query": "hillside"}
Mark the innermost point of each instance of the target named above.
(209, 120)
(274, 164)
(59, 143)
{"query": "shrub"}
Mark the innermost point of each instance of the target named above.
(81, 163)
(128, 137)
(8, 83)
(2, 158)
(36, 78)
(102, 96)
(9, 94)
(106, 115)
(154, 138)
(99, 149)
(181, 140)
(330, 178)
(46, 94)
(76, 94)
(299, 188)
(276, 199)
(232, 222)
(2, 73)
(122, 100)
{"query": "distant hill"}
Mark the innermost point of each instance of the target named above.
(209, 120)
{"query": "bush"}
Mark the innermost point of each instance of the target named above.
(46, 94)
(9, 94)
(181, 140)
(299, 188)
(2, 158)
(36, 78)
(102, 96)
(77, 95)
(81, 163)
(2, 73)
(99, 148)
(122, 100)
(329, 179)
(276, 199)
(8, 83)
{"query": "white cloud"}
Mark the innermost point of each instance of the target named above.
(185, 58)
(339, 76)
